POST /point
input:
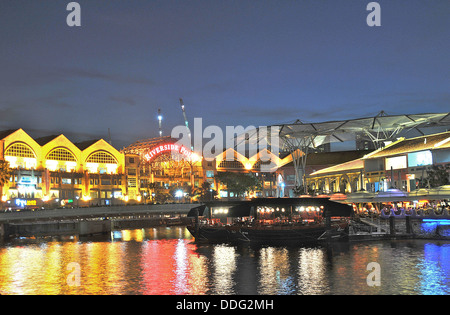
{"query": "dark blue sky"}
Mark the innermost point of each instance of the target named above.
(239, 62)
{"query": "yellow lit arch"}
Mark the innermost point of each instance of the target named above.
(19, 149)
(61, 154)
(101, 157)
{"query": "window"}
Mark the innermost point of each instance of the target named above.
(101, 157)
(20, 150)
(209, 174)
(131, 182)
(231, 164)
(131, 160)
(61, 154)
(131, 171)
(93, 194)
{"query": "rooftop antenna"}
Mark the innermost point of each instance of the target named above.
(159, 120)
(109, 136)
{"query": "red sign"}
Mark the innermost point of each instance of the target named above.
(174, 148)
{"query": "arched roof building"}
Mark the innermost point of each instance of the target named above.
(55, 170)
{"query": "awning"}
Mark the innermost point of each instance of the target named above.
(390, 195)
(360, 196)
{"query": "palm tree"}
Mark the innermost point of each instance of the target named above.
(5, 174)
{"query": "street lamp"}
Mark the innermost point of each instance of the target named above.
(179, 194)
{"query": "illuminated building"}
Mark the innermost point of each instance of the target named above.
(399, 164)
(53, 171)
(159, 164)
(265, 165)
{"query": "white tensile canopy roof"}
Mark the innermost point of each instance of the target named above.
(378, 128)
(297, 137)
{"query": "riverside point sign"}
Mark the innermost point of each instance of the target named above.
(175, 149)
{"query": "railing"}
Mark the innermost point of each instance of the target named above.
(413, 213)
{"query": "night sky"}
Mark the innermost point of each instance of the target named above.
(243, 62)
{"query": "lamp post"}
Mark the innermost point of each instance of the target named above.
(179, 194)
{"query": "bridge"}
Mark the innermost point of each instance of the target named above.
(175, 209)
(88, 220)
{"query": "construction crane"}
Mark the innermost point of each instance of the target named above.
(185, 120)
(184, 113)
(159, 120)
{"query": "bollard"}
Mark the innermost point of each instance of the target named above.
(408, 225)
(392, 225)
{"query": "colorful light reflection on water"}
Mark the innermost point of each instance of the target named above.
(167, 261)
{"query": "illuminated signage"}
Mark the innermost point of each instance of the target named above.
(23, 202)
(396, 163)
(420, 158)
(170, 147)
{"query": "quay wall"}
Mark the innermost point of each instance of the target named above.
(430, 230)
(396, 227)
(415, 224)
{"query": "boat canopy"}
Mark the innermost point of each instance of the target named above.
(330, 208)
(205, 209)
(201, 209)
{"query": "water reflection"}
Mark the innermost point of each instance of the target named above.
(224, 267)
(312, 272)
(435, 271)
(167, 261)
(274, 265)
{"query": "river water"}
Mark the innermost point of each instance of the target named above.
(167, 261)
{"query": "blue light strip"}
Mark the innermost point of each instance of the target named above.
(439, 221)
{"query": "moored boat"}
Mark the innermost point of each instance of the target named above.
(270, 220)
